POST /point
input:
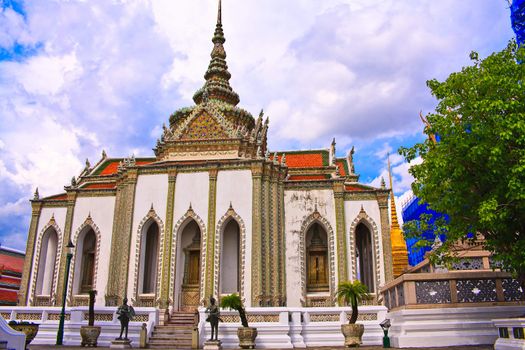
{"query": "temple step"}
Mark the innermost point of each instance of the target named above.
(176, 334)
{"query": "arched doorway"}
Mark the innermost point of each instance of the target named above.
(317, 265)
(84, 280)
(46, 265)
(149, 257)
(188, 270)
(364, 254)
(230, 263)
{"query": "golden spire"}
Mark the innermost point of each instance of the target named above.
(399, 248)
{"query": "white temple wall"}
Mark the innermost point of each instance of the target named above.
(352, 209)
(298, 206)
(101, 210)
(191, 188)
(45, 215)
(236, 186)
(151, 190)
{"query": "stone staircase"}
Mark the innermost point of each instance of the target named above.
(176, 334)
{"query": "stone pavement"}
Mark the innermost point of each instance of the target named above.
(474, 347)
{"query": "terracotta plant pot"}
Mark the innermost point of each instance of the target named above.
(247, 337)
(353, 334)
(89, 335)
(30, 330)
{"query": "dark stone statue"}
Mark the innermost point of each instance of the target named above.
(125, 314)
(213, 318)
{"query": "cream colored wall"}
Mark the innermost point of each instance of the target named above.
(101, 210)
(150, 190)
(298, 206)
(45, 215)
(191, 188)
(236, 187)
(352, 209)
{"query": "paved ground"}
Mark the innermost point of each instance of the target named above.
(476, 347)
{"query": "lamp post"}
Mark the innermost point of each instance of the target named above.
(60, 335)
(385, 325)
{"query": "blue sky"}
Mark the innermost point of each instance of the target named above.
(78, 77)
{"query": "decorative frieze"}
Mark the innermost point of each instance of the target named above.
(476, 290)
(433, 292)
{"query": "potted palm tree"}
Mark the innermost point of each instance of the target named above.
(90, 332)
(352, 293)
(245, 333)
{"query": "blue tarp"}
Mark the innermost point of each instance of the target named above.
(517, 17)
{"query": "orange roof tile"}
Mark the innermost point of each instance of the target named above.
(307, 177)
(111, 168)
(99, 185)
(302, 159)
(58, 197)
(341, 165)
(353, 188)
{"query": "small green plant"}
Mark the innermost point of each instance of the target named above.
(233, 301)
(352, 293)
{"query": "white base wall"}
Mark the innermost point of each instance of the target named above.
(509, 343)
(447, 326)
(47, 331)
(295, 327)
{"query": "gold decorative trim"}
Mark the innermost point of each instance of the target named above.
(167, 285)
(231, 214)
(363, 218)
(150, 216)
(210, 246)
(256, 235)
(340, 228)
(308, 221)
(68, 227)
(325, 317)
(36, 207)
(53, 225)
(88, 224)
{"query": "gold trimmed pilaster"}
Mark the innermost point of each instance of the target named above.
(71, 199)
(36, 209)
(382, 200)
(121, 242)
(210, 234)
(342, 273)
(266, 233)
(274, 241)
(257, 170)
(166, 261)
(282, 240)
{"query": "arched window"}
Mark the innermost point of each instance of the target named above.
(87, 250)
(230, 258)
(365, 262)
(317, 260)
(46, 265)
(149, 257)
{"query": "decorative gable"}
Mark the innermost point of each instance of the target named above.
(204, 127)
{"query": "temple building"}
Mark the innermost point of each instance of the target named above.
(214, 211)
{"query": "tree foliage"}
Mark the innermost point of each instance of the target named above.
(475, 172)
(233, 301)
(352, 293)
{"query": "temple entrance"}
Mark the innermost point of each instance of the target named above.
(317, 260)
(189, 267)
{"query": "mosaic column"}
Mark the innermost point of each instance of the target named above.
(210, 234)
(71, 199)
(282, 239)
(257, 170)
(265, 236)
(36, 208)
(168, 233)
(121, 242)
(340, 231)
(382, 199)
(274, 241)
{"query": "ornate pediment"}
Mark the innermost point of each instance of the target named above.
(204, 127)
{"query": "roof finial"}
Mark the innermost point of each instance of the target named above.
(219, 13)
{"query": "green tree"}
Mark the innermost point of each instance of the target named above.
(475, 172)
(233, 301)
(352, 293)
